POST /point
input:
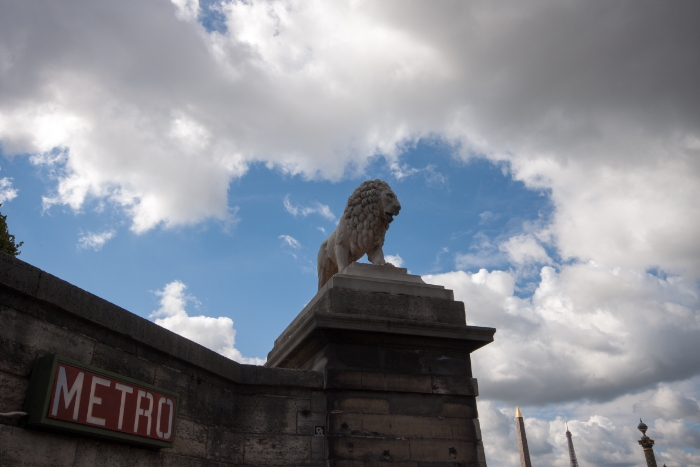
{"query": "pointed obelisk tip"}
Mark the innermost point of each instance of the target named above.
(518, 414)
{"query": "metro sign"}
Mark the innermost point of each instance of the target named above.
(65, 395)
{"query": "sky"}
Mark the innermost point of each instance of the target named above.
(184, 160)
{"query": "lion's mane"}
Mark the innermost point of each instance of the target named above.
(365, 222)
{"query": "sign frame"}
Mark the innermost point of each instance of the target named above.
(39, 399)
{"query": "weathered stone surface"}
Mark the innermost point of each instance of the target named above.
(396, 382)
(465, 428)
(69, 297)
(26, 448)
(123, 363)
(181, 383)
(440, 450)
(343, 379)
(354, 463)
(279, 391)
(308, 421)
(445, 363)
(436, 309)
(459, 407)
(318, 401)
(13, 390)
(261, 414)
(178, 460)
(318, 449)
(281, 377)
(406, 426)
(215, 405)
(362, 405)
(346, 424)
(225, 446)
(23, 338)
(190, 439)
(18, 275)
(375, 381)
(357, 355)
(92, 453)
(455, 385)
(369, 449)
(371, 316)
(277, 450)
(422, 405)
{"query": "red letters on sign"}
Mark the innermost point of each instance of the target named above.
(87, 398)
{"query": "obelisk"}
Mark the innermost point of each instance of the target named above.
(522, 439)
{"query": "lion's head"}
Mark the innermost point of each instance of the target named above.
(370, 210)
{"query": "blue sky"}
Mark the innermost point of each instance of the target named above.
(244, 270)
(183, 159)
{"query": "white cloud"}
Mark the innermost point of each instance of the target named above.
(95, 240)
(483, 253)
(7, 192)
(586, 332)
(396, 260)
(290, 241)
(592, 342)
(604, 434)
(669, 404)
(524, 249)
(488, 216)
(321, 88)
(321, 209)
(216, 334)
(432, 177)
(187, 10)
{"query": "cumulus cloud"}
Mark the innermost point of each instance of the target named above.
(95, 240)
(320, 88)
(524, 249)
(585, 333)
(668, 404)
(216, 334)
(603, 433)
(290, 241)
(586, 341)
(7, 192)
(396, 260)
(321, 209)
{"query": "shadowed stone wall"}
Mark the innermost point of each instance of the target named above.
(230, 414)
(397, 369)
(386, 376)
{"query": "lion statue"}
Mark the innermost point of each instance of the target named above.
(370, 210)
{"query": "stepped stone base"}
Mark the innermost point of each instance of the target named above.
(395, 354)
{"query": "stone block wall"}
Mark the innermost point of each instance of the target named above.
(393, 381)
(230, 414)
(398, 378)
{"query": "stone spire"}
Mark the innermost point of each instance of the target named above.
(648, 444)
(522, 439)
(572, 454)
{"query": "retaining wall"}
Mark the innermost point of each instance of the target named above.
(230, 414)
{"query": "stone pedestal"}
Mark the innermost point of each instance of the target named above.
(395, 353)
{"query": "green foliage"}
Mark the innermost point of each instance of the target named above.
(7, 241)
